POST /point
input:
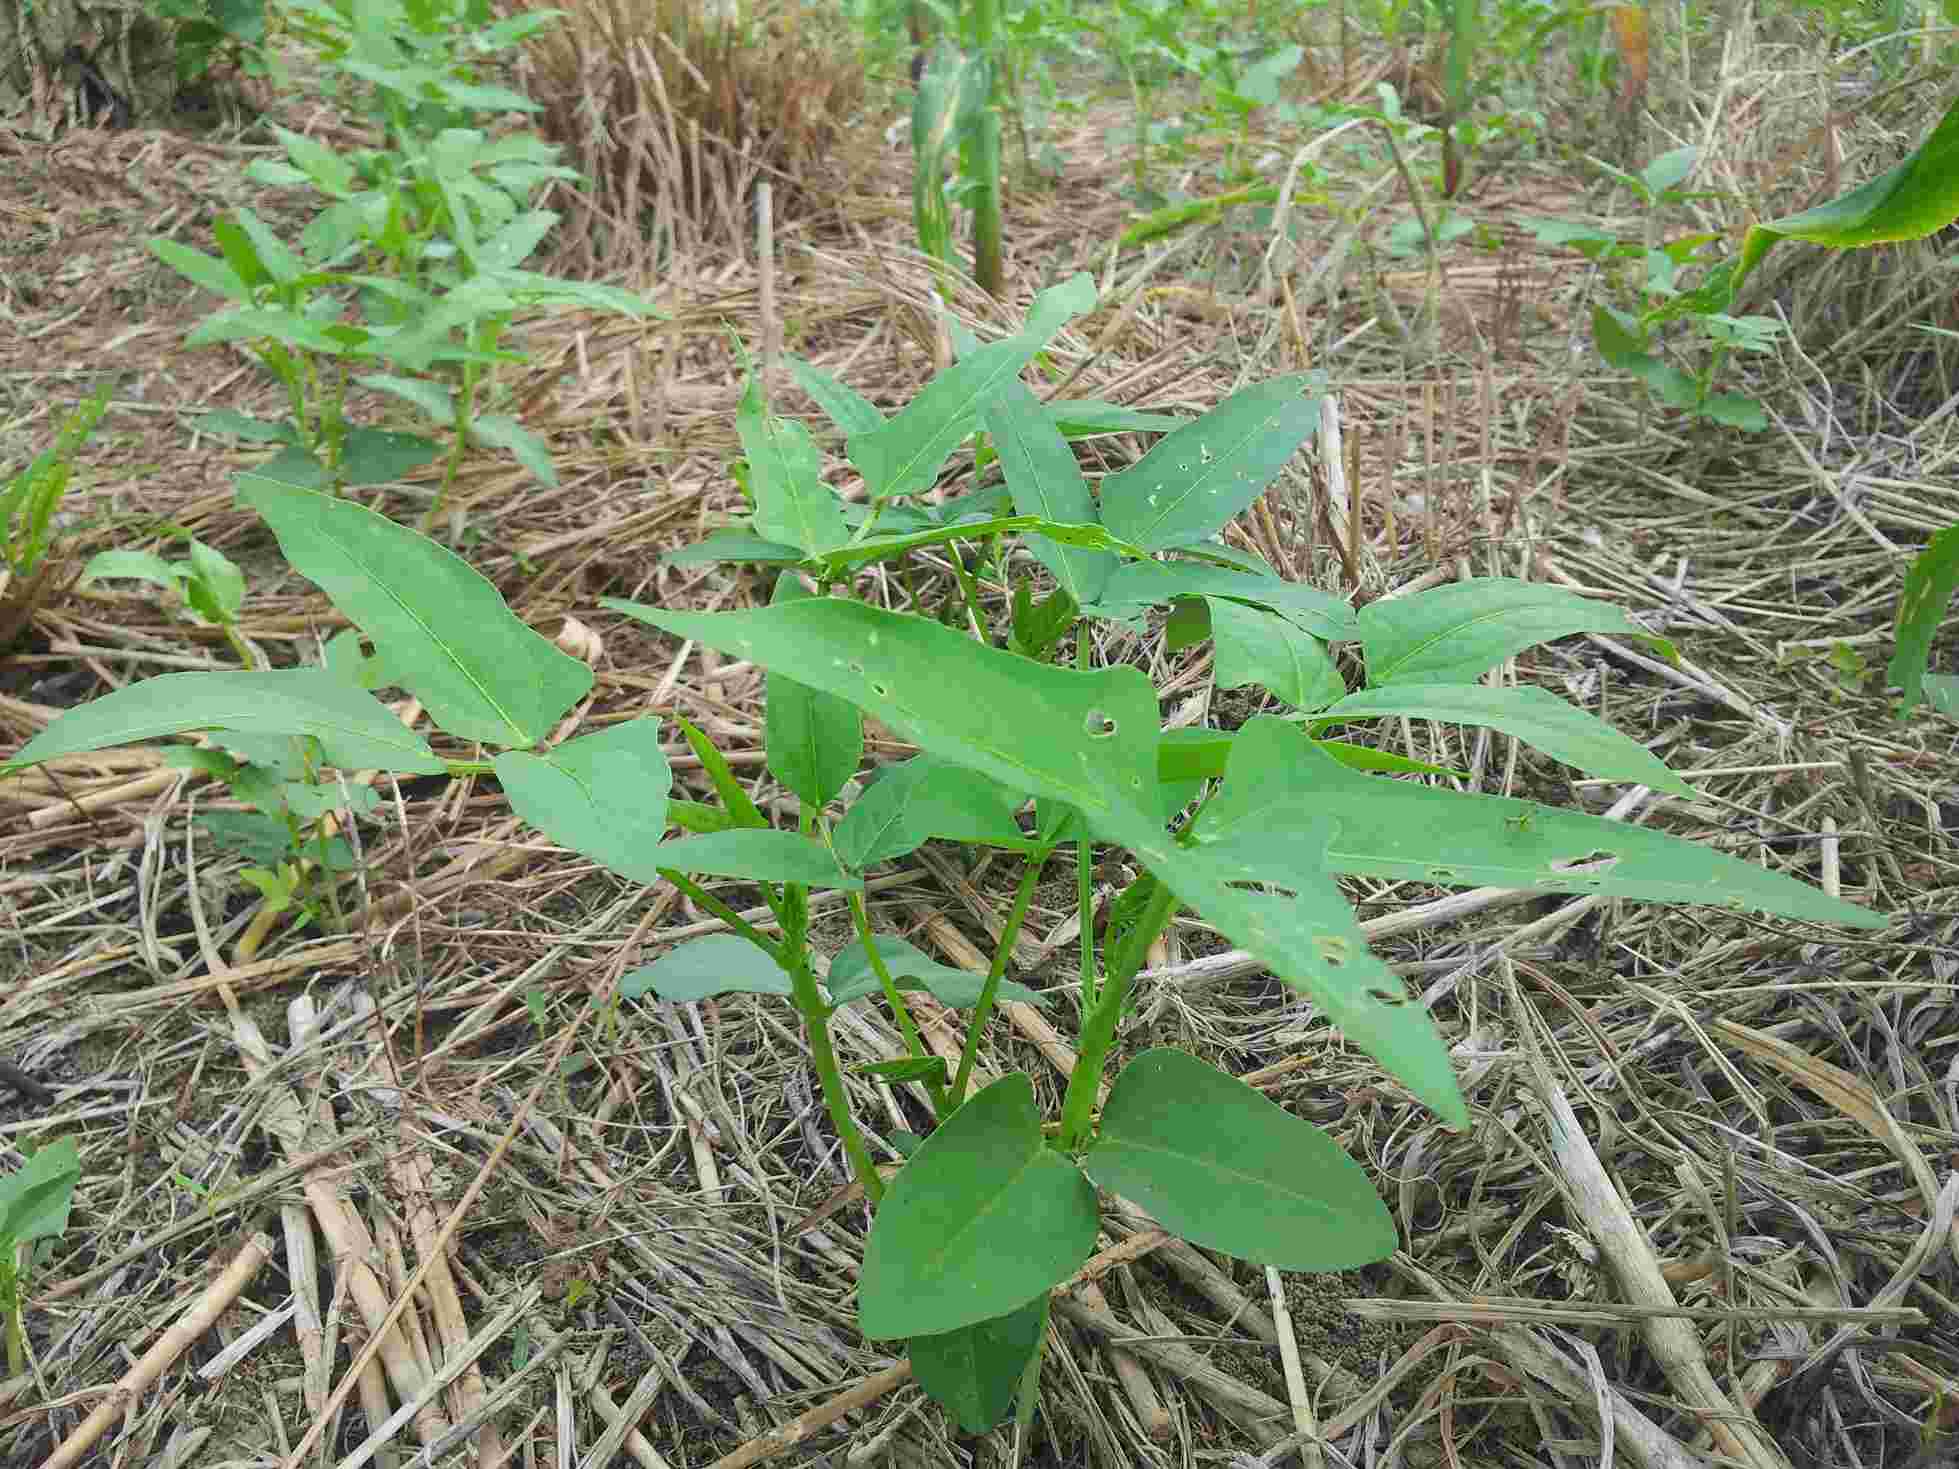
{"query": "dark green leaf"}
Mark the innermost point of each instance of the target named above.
(983, 1219)
(814, 740)
(974, 1372)
(1215, 1162)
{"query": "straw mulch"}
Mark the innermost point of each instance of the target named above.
(1705, 1214)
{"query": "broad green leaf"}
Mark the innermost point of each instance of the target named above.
(275, 323)
(851, 976)
(984, 1218)
(34, 1198)
(1254, 646)
(1735, 411)
(355, 731)
(1188, 624)
(974, 1372)
(922, 799)
(448, 636)
(720, 964)
(1538, 718)
(905, 455)
(1915, 199)
(1458, 632)
(696, 818)
(602, 795)
(1150, 583)
(1225, 1168)
(740, 806)
(760, 856)
(731, 543)
(1403, 831)
(1045, 480)
(280, 263)
(785, 475)
(1197, 478)
(1929, 584)
(1087, 739)
(843, 405)
(814, 740)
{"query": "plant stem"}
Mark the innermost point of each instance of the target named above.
(816, 1025)
(914, 1044)
(728, 915)
(1029, 876)
(1099, 1031)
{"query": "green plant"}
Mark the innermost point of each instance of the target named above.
(208, 33)
(1250, 829)
(1907, 202)
(210, 585)
(28, 506)
(34, 1202)
(414, 266)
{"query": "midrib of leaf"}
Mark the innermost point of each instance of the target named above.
(1219, 1170)
(1222, 464)
(442, 643)
(938, 1258)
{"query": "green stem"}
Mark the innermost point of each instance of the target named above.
(794, 959)
(1099, 1031)
(728, 915)
(914, 1044)
(1029, 877)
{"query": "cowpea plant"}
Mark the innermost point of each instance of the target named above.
(1249, 829)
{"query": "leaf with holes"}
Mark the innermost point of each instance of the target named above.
(1197, 478)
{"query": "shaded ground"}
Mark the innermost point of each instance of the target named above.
(1778, 1107)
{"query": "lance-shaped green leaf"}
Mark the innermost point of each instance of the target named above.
(842, 404)
(1197, 478)
(1088, 739)
(602, 795)
(984, 1218)
(731, 543)
(1081, 418)
(1220, 1165)
(355, 730)
(814, 740)
(1402, 831)
(1929, 584)
(905, 455)
(1255, 646)
(446, 632)
(785, 475)
(1045, 480)
(1917, 198)
(719, 964)
(1458, 632)
(1538, 718)
(975, 1371)
(1137, 584)
(760, 856)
